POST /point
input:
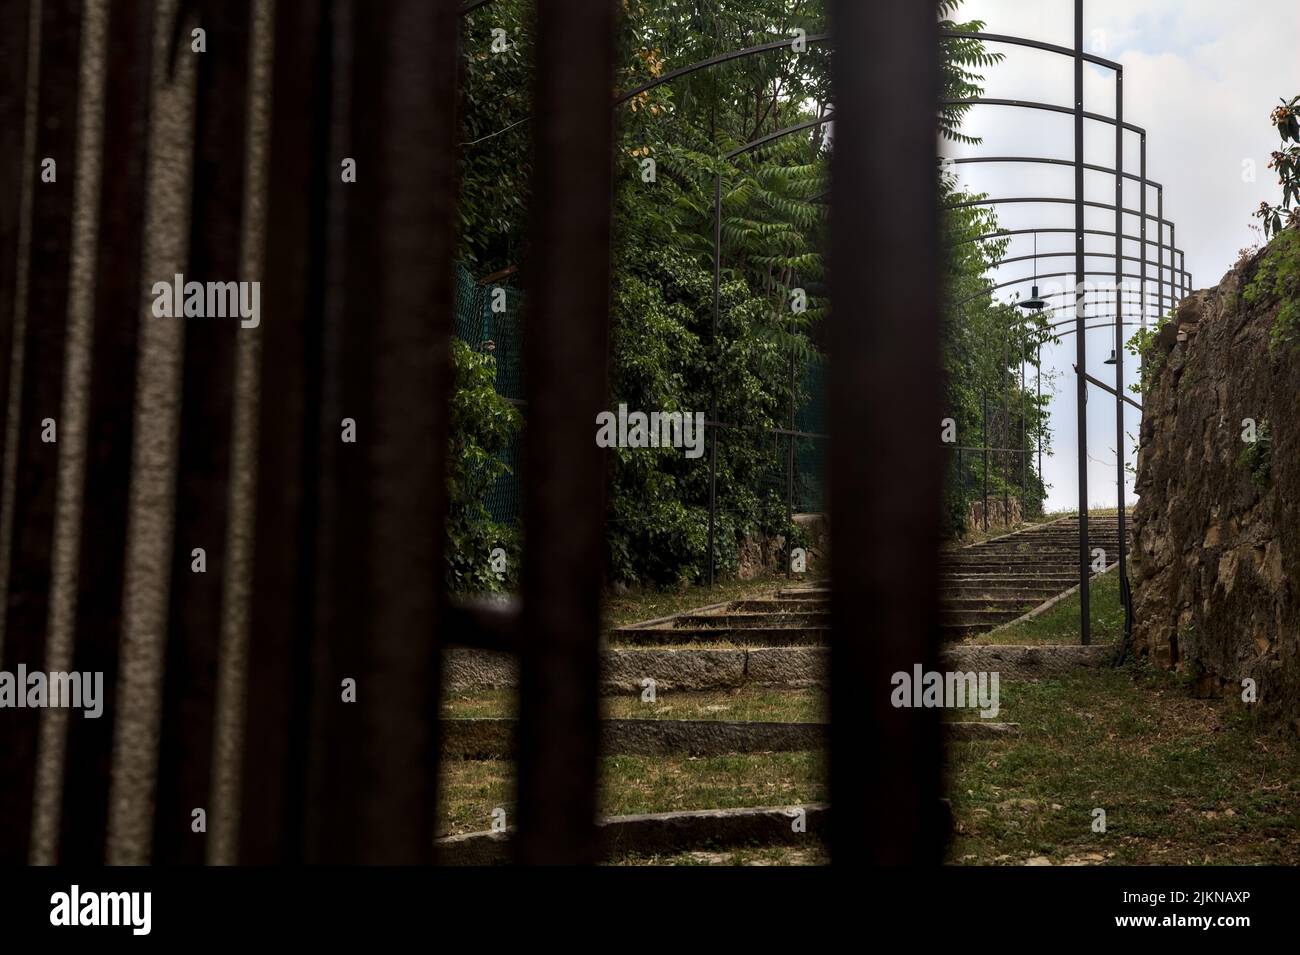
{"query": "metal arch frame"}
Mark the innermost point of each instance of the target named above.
(1172, 268)
(1079, 56)
(1080, 166)
(1057, 275)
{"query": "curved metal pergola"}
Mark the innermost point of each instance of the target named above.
(1176, 272)
(1180, 280)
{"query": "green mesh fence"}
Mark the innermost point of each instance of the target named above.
(487, 319)
(810, 453)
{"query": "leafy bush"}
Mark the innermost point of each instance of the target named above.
(1257, 457)
(1277, 278)
(482, 425)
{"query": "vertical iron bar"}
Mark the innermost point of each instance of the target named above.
(885, 761)
(1142, 211)
(110, 425)
(985, 456)
(39, 398)
(1119, 351)
(713, 344)
(1038, 420)
(281, 622)
(1081, 353)
(383, 502)
(1005, 438)
(1160, 224)
(15, 27)
(203, 464)
(566, 349)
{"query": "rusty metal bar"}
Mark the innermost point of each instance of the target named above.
(185, 744)
(567, 353)
(110, 425)
(277, 707)
(39, 403)
(885, 760)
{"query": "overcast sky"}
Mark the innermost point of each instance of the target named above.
(1201, 76)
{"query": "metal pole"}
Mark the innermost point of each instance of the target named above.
(985, 454)
(1006, 434)
(1119, 352)
(713, 341)
(1081, 356)
(1038, 412)
(1160, 227)
(1143, 209)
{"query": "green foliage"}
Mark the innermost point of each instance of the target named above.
(1277, 278)
(1286, 119)
(482, 424)
(962, 57)
(496, 135)
(1257, 457)
(665, 352)
(1142, 347)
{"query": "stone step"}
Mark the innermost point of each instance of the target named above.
(745, 620)
(989, 603)
(961, 618)
(781, 605)
(790, 593)
(494, 737)
(756, 636)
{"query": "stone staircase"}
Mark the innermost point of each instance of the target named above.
(997, 581)
(983, 586)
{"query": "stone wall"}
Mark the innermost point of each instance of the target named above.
(1001, 513)
(1216, 561)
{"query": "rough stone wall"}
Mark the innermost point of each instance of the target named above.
(1216, 562)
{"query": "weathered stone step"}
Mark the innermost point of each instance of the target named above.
(1036, 594)
(624, 669)
(1018, 603)
(781, 605)
(999, 567)
(663, 832)
(819, 593)
(747, 620)
(759, 636)
(494, 738)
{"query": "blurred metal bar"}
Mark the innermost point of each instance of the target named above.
(885, 760)
(110, 426)
(281, 621)
(185, 744)
(15, 27)
(566, 351)
(386, 357)
(38, 389)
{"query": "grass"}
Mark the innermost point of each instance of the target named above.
(1182, 781)
(472, 789)
(1060, 625)
(750, 704)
